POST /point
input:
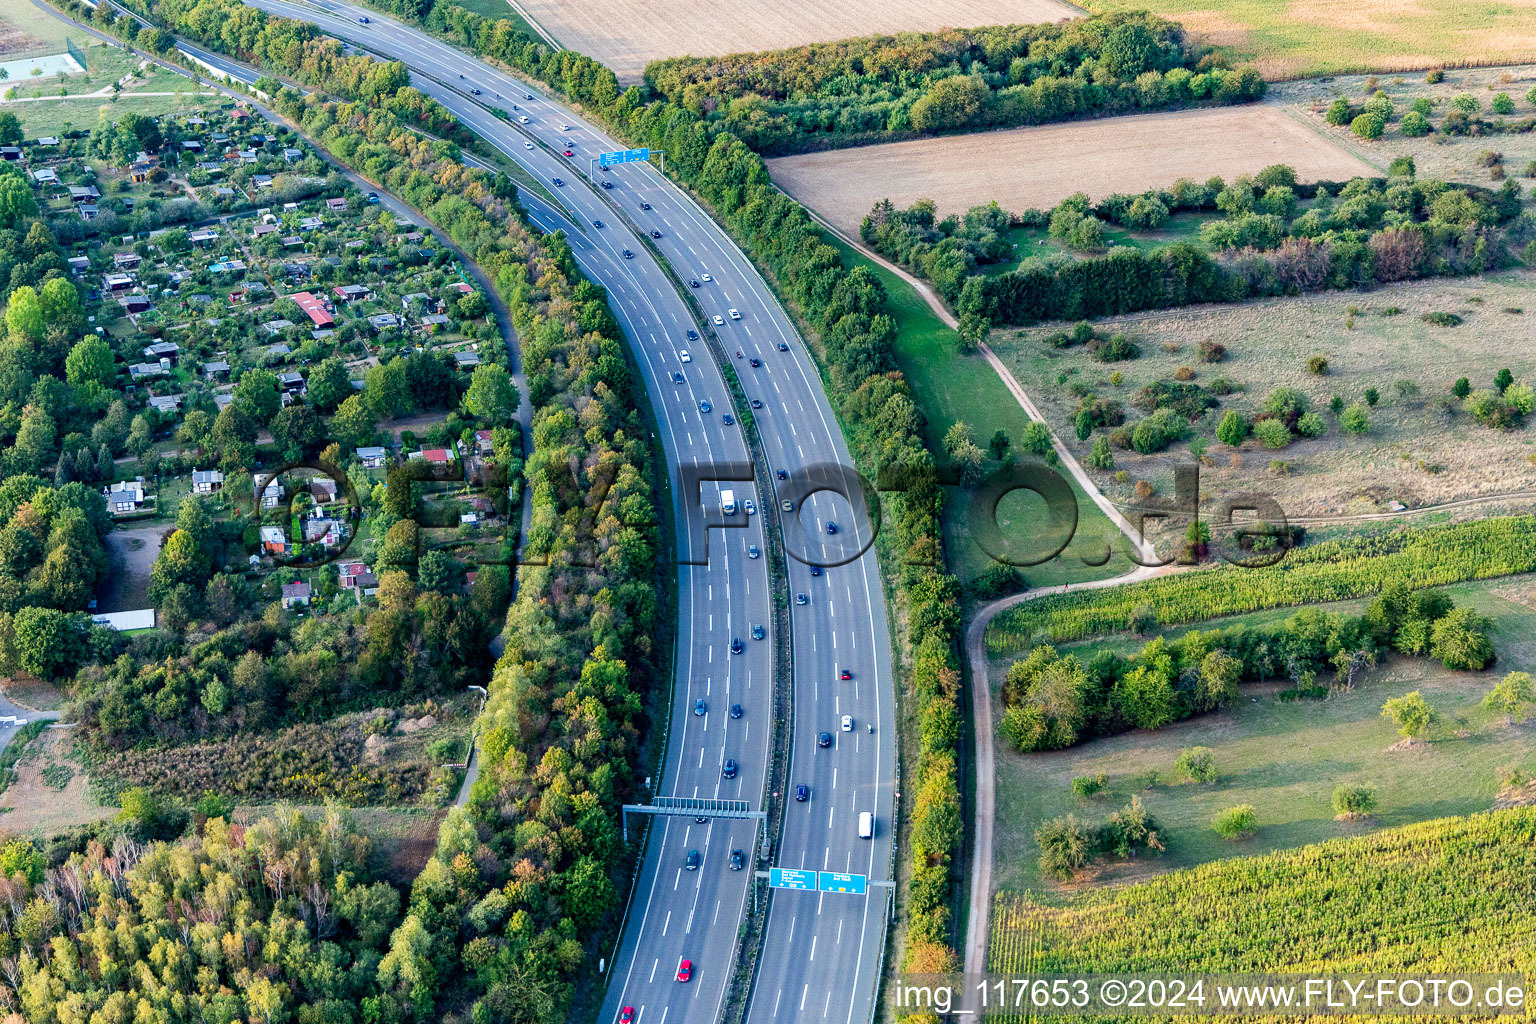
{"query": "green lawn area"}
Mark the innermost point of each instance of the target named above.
(951, 388)
(42, 26)
(55, 117)
(1285, 758)
(1037, 241)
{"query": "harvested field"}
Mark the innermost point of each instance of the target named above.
(1038, 167)
(630, 34)
(34, 805)
(1298, 38)
(1422, 448)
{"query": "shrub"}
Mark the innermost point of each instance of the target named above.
(1462, 388)
(1233, 428)
(1311, 425)
(1401, 167)
(1234, 823)
(1339, 112)
(1197, 764)
(1489, 157)
(1317, 365)
(1101, 457)
(1466, 103)
(1211, 351)
(1184, 373)
(1355, 419)
(1413, 125)
(1157, 431)
(1435, 76)
(1353, 801)
(1502, 104)
(1114, 349)
(1459, 639)
(1440, 319)
(1067, 846)
(1285, 402)
(1368, 126)
(1503, 379)
(1372, 396)
(1085, 786)
(1272, 433)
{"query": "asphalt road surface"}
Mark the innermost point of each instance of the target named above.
(823, 951)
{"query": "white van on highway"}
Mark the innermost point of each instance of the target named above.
(866, 825)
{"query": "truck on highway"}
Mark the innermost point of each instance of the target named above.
(866, 825)
(728, 501)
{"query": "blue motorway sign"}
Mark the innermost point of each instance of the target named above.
(792, 878)
(623, 156)
(833, 881)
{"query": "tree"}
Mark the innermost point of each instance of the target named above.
(1220, 673)
(297, 431)
(1503, 379)
(1102, 457)
(24, 316)
(1351, 801)
(354, 423)
(973, 330)
(17, 204)
(233, 438)
(1067, 846)
(1460, 640)
(492, 397)
(999, 443)
(257, 394)
(1355, 419)
(330, 383)
(20, 857)
(1197, 764)
(48, 643)
(1236, 822)
(90, 362)
(1232, 430)
(387, 390)
(1510, 696)
(1462, 388)
(10, 129)
(1412, 713)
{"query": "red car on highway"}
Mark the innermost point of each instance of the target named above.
(684, 970)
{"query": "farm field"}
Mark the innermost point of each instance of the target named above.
(626, 36)
(1319, 37)
(1448, 894)
(1284, 758)
(1416, 453)
(1122, 154)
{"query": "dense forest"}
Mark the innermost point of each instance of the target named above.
(881, 88)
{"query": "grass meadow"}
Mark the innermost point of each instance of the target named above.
(1299, 38)
(950, 388)
(1284, 758)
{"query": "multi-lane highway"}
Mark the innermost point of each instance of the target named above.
(822, 955)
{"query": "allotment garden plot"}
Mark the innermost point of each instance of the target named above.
(629, 34)
(1038, 167)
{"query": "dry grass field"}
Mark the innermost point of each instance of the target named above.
(1295, 38)
(1449, 157)
(1038, 167)
(628, 34)
(1416, 453)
